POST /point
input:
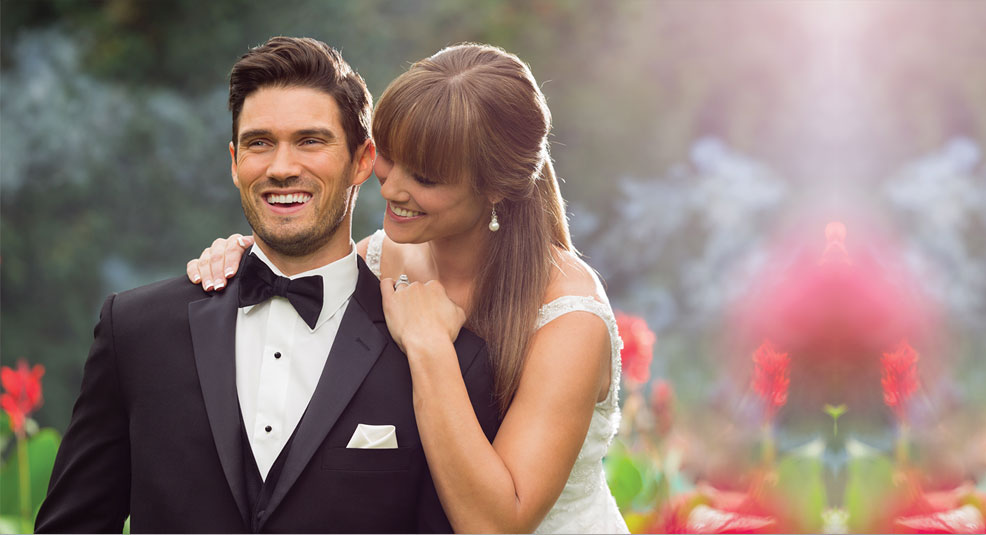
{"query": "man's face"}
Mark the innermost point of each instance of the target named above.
(293, 168)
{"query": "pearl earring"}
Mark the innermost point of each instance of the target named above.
(494, 224)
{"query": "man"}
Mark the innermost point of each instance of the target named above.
(279, 404)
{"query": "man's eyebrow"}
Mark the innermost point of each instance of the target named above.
(250, 134)
(320, 132)
(307, 132)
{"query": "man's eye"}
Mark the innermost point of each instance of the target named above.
(311, 141)
(256, 143)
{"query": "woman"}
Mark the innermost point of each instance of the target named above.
(476, 223)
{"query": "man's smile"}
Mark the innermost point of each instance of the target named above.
(285, 203)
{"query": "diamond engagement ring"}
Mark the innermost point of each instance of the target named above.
(402, 281)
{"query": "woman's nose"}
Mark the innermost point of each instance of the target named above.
(392, 182)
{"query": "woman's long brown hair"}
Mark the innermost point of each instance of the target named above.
(474, 112)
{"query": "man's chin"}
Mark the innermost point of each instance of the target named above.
(297, 244)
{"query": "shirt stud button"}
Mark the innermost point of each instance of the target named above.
(268, 429)
(277, 355)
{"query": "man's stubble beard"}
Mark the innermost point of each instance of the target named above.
(306, 241)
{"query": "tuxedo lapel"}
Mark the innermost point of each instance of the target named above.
(213, 326)
(356, 348)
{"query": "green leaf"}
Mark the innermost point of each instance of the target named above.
(869, 491)
(624, 479)
(6, 435)
(41, 450)
(801, 489)
(10, 524)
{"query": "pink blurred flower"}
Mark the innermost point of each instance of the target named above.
(835, 247)
(22, 392)
(965, 519)
(899, 377)
(710, 510)
(662, 405)
(770, 377)
(638, 347)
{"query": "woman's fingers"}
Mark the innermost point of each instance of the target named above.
(218, 262)
(217, 254)
(192, 270)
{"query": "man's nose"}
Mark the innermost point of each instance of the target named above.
(284, 164)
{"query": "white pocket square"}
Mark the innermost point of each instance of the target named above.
(374, 437)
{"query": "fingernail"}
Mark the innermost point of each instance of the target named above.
(196, 279)
(220, 285)
(241, 241)
(229, 271)
(208, 286)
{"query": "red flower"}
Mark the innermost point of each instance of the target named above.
(770, 377)
(662, 405)
(900, 378)
(638, 346)
(22, 392)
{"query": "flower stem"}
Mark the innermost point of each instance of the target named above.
(902, 444)
(767, 447)
(23, 474)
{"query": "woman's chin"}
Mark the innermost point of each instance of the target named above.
(399, 233)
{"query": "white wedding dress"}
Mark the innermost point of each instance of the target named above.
(585, 504)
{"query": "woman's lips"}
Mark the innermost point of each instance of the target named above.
(402, 215)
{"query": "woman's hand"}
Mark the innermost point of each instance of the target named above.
(419, 315)
(219, 262)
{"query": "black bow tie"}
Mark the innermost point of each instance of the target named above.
(258, 284)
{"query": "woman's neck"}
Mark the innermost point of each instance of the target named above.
(456, 261)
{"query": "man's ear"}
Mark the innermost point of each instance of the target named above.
(232, 165)
(365, 155)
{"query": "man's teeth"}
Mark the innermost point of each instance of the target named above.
(291, 198)
(405, 213)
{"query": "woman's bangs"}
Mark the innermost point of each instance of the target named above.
(426, 136)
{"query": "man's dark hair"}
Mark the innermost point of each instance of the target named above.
(303, 62)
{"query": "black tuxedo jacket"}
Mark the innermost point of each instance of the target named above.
(156, 433)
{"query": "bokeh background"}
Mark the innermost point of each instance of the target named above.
(704, 147)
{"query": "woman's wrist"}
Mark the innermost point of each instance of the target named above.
(422, 345)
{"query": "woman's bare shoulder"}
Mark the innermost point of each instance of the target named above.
(362, 246)
(570, 275)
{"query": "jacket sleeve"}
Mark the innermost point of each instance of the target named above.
(478, 377)
(89, 491)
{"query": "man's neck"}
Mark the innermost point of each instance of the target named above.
(338, 247)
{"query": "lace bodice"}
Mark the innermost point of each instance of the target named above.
(585, 504)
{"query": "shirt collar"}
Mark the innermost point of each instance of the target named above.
(338, 279)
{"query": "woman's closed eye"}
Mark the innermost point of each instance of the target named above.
(424, 181)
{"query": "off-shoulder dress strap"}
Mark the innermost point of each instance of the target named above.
(374, 248)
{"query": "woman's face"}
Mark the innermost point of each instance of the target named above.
(421, 210)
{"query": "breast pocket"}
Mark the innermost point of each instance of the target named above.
(368, 460)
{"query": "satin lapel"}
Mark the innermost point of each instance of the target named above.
(357, 346)
(213, 324)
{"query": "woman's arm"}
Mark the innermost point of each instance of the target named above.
(511, 485)
(224, 255)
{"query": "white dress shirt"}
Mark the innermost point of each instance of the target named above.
(279, 359)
